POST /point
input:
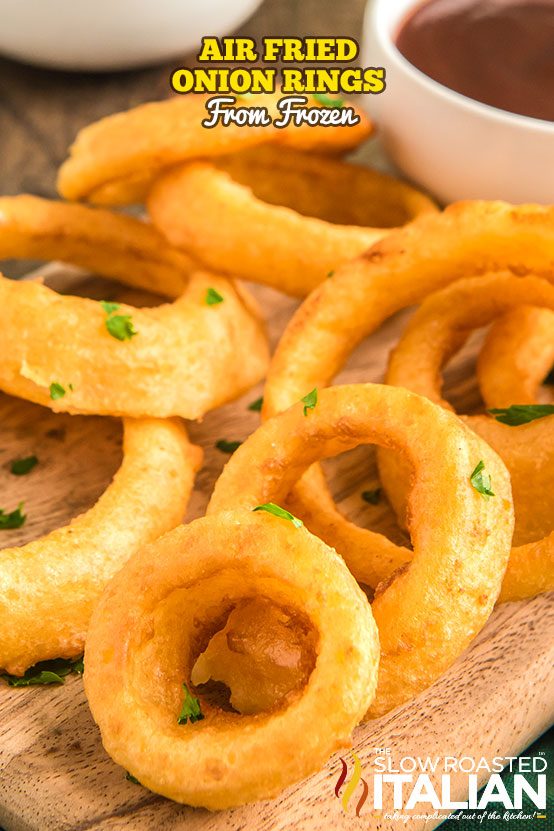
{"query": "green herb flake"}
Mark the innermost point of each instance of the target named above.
(227, 446)
(12, 519)
(330, 274)
(373, 496)
(121, 327)
(57, 391)
(276, 510)
(20, 467)
(328, 101)
(45, 672)
(521, 413)
(256, 406)
(131, 778)
(213, 297)
(310, 401)
(109, 307)
(481, 481)
(190, 711)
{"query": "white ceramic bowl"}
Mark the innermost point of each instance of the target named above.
(103, 35)
(453, 146)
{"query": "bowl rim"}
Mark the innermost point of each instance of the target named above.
(385, 29)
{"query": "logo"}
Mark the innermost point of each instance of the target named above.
(352, 785)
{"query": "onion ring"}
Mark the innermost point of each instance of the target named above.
(517, 355)
(115, 160)
(429, 612)
(188, 357)
(49, 587)
(402, 269)
(321, 212)
(114, 245)
(430, 339)
(140, 651)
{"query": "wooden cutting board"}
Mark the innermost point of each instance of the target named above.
(54, 774)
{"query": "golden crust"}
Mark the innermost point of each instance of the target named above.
(431, 338)
(115, 160)
(49, 587)
(321, 212)
(402, 269)
(187, 358)
(461, 539)
(517, 355)
(183, 587)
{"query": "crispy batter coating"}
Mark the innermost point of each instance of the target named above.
(183, 588)
(49, 587)
(428, 612)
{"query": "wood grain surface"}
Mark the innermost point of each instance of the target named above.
(54, 774)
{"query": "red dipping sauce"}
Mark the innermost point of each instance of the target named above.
(500, 52)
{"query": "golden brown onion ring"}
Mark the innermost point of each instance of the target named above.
(516, 357)
(49, 587)
(429, 612)
(416, 363)
(115, 160)
(402, 269)
(106, 243)
(187, 358)
(321, 212)
(156, 616)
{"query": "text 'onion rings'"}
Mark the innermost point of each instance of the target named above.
(402, 269)
(157, 615)
(459, 537)
(49, 587)
(321, 212)
(115, 160)
(432, 336)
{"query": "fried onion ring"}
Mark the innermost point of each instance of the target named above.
(49, 587)
(321, 212)
(430, 339)
(516, 357)
(429, 612)
(156, 617)
(402, 269)
(115, 160)
(187, 358)
(110, 244)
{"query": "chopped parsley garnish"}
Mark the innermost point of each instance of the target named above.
(330, 273)
(109, 307)
(190, 711)
(521, 413)
(57, 391)
(481, 481)
(213, 297)
(46, 672)
(328, 101)
(310, 401)
(131, 778)
(20, 467)
(12, 519)
(256, 405)
(120, 327)
(276, 510)
(227, 446)
(373, 497)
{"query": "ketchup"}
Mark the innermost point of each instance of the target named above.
(500, 52)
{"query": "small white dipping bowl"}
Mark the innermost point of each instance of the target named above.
(453, 146)
(103, 35)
